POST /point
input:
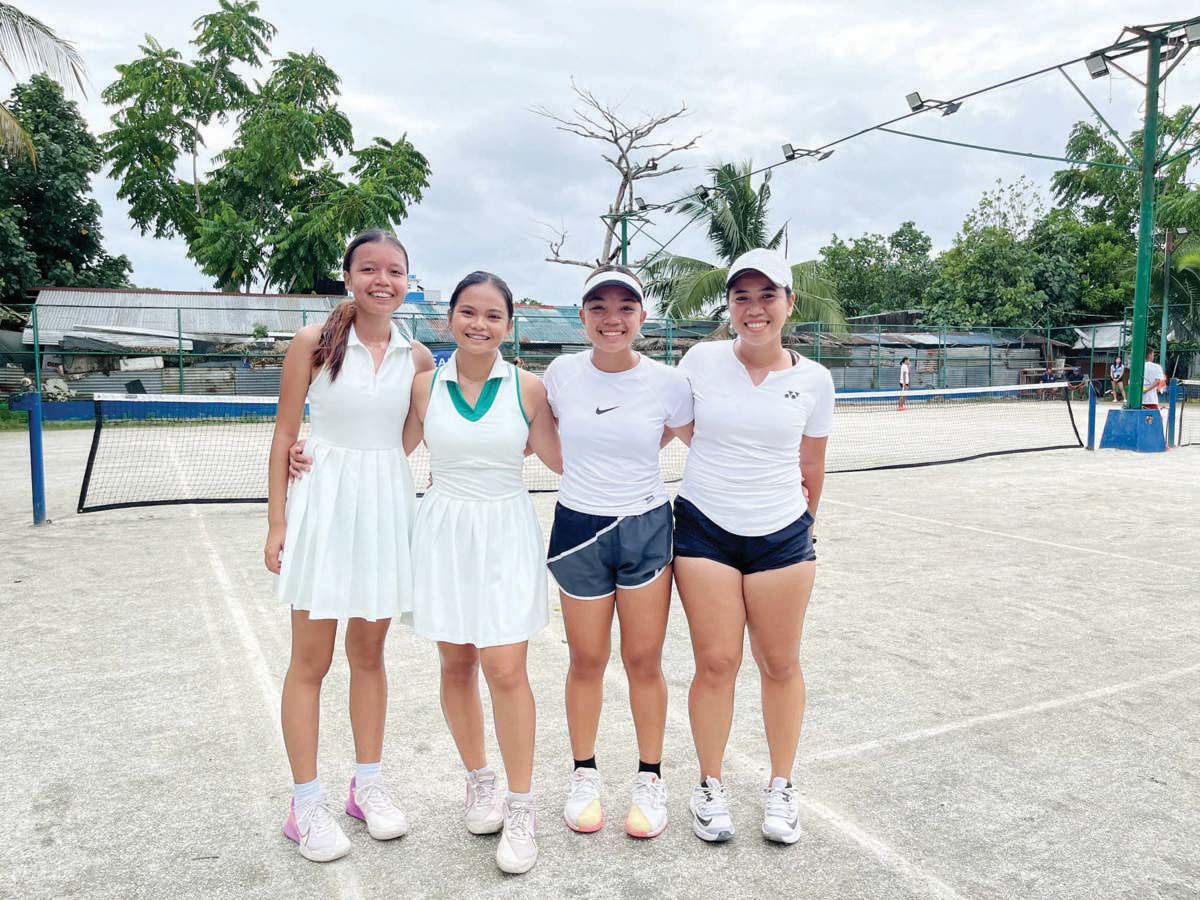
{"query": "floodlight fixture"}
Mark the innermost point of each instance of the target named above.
(652, 165)
(701, 192)
(789, 152)
(640, 204)
(1192, 33)
(951, 108)
(1097, 65)
(915, 103)
(824, 156)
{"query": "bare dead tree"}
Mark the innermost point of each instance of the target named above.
(633, 151)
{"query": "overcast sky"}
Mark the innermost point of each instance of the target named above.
(459, 78)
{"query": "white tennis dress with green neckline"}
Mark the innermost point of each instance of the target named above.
(480, 576)
(349, 521)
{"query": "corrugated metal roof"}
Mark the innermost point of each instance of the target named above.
(62, 310)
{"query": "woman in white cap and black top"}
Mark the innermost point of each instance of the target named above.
(610, 547)
(743, 532)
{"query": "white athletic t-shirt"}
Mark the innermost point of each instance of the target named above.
(611, 424)
(1151, 373)
(743, 469)
(904, 374)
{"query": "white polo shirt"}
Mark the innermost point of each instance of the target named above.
(904, 374)
(743, 469)
(1151, 374)
(611, 424)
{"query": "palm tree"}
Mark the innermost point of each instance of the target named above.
(26, 42)
(736, 216)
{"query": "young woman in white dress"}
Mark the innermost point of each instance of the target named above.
(339, 539)
(480, 579)
(744, 556)
(610, 547)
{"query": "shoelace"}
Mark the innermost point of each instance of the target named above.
(518, 822)
(375, 797)
(316, 818)
(649, 793)
(714, 801)
(584, 783)
(778, 803)
(485, 790)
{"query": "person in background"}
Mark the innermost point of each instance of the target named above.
(903, 381)
(1116, 372)
(1154, 381)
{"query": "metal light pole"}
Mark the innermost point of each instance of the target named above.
(1169, 248)
(1141, 294)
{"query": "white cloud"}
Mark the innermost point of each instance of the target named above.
(459, 79)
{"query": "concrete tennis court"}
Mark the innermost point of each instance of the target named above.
(1003, 659)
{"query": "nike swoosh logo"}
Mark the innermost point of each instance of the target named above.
(601, 412)
(703, 821)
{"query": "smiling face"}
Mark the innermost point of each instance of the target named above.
(378, 277)
(758, 308)
(480, 320)
(611, 316)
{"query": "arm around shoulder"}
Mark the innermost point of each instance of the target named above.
(543, 435)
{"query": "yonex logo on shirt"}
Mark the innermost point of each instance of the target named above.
(791, 395)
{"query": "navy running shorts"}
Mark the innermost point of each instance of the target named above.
(591, 556)
(699, 536)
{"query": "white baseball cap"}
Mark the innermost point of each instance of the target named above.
(612, 276)
(766, 262)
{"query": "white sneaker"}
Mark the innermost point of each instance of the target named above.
(781, 813)
(709, 807)
(583, 811)
(485, 806)
(315, 832)
(518, 844)
(374, 805)
(648, 811)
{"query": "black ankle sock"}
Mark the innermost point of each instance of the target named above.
(589, 763)
(653, 768)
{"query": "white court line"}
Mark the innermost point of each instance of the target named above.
(988, 718)
(344, 875)
(889, 858)
(1057, 545)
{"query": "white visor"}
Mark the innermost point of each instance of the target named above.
(602, 279)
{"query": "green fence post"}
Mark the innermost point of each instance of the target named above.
(942, 358)
(991, 344)
(303, 318)
(1092, 357)
(818, 340)
(37, 351)
(878, 355)
(179, 332)
(517, 335)
(670, 341)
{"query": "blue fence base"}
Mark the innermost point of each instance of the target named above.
(1134, 429)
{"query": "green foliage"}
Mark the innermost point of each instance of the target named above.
(1112, 196)
(274, 208)
(28, 43)
(873, 274)
(50, 226)
(260, 330)
(735, 214)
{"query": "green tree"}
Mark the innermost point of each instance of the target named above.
(57, 236)
(27, 43)
(873, 274)
(988, 276)
(1084, 270)
(735, 214)
(1112, 196)
(276, 207)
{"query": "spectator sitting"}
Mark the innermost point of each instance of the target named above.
(1075, 380)
(1047, 378)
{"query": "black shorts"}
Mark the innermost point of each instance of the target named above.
(699, 536)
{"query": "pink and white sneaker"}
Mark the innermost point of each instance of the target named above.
(374, 805)
(318, 837)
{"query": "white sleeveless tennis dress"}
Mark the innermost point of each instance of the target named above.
(349, 520)
(481, 576)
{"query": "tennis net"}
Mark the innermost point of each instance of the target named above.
(152, 449)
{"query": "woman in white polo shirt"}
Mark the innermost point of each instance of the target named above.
(743, 532)
(610, 547)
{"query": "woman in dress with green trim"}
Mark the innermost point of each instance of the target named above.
(480, 585)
